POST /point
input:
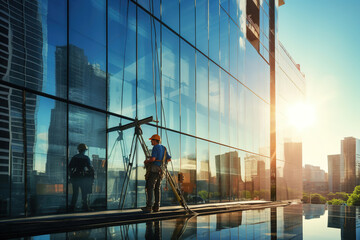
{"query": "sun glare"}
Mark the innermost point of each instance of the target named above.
(301, 115)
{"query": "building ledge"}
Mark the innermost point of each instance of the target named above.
(30, 226)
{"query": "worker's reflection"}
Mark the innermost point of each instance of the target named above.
(153, 230)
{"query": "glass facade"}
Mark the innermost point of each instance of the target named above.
(72, 69)
(290, 91)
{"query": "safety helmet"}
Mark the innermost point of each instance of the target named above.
(155, 137)
(82, 147)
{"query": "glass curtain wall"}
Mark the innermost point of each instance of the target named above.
(94, 65)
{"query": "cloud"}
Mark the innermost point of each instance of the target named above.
(42, 136)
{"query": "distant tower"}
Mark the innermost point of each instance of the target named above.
(350, 163)
(334, 173)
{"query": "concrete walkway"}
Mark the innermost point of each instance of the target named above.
(21, 227)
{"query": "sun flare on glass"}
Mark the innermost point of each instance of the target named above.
(301, 115)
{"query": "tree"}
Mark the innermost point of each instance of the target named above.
(354, 199)
(305, 198)
(342, 195)
(335, 201)
(317, 198)
(331, 196)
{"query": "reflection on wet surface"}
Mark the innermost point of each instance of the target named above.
(290, 222)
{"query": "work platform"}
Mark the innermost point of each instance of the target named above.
(30, 226)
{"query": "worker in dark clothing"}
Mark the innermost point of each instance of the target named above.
(81, 177)
(154, 174)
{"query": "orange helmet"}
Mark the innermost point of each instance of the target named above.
(155, 137)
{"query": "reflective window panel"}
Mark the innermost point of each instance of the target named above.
(187, 88)
(89, 127)
(187, 20)
(149, 66)
(87, 52)
(121, 177)
(170, 79)
(46, 127)
(202, 96)
(202, 42)
(122, 58)
(12, 157)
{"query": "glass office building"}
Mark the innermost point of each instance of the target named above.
(70, 70)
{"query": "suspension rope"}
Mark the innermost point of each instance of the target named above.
(153, 64)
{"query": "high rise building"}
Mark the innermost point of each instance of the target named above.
(334, 173)
(350, 164)
(213, 74)
(315, 180)
(21, 64)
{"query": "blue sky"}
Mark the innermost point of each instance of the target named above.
(323, 36)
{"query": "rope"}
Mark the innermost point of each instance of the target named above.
(153, 65)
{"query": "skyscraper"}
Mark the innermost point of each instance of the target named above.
(22, 64)
(350, 163)
(334, 173)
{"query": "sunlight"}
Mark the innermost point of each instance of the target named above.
(301, 115)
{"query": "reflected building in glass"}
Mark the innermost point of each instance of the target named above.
(212, 74)
(350, 164)
(334, 173)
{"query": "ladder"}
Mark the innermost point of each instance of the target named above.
(138, 137)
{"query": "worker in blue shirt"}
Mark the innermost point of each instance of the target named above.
(154, 174)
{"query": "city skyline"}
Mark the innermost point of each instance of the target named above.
(326, 50)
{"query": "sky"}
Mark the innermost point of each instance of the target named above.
(323, 36)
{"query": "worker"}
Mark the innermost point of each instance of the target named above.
(154, 174)
(81, 177)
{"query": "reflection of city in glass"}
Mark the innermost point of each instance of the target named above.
(75, 68)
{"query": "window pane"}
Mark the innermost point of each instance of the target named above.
(214, 102)
(233, 112)
(234, 45)
(87, 49)
(187, 64)
(119, 146)
(202, 42)
(202, 171)
(214, 31)
(54, 21)
(187, 20)
(224, 108)
(170, 14)
(188, 166)
(46, 130)
(170, 79)
(152, 6)
(241, 133)
(214, 158)
(31, 35)
(89, 127)
(224, 40)
(236, 183)
(122, 58)
(202, 96)
(12, 152)
(223, 164)
(148, 66)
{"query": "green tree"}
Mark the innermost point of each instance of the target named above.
(203, 194)
(317, 198)
(305, 198)
(335, 201)
(354, 199)
(331, 196)
(342, 195)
